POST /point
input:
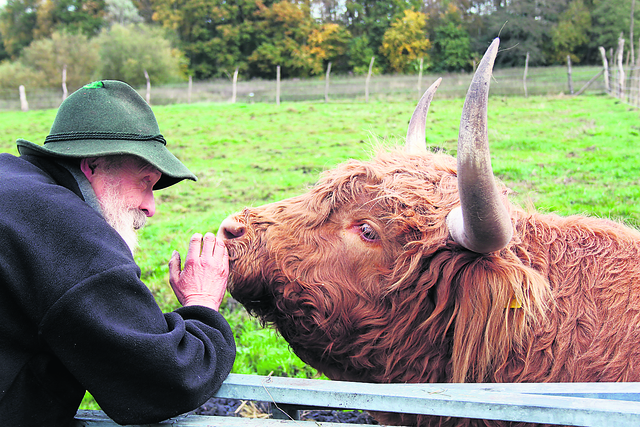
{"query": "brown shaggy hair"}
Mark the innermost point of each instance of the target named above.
(360, 276)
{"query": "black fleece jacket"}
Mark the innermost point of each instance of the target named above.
(74, 315)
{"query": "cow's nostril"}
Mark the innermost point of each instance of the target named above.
(231, 229)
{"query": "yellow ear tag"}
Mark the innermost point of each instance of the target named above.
(514, 303)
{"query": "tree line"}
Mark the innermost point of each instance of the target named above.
(172, 39)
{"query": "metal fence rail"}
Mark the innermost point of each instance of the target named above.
(575, 404)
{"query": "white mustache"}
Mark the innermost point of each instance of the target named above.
(139, 218)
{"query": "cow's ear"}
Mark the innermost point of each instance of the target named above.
(498, 299)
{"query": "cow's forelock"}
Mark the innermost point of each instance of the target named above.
(405, 206)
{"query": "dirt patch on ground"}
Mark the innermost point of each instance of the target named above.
(239, 408)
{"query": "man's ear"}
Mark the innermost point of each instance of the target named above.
(88, 167)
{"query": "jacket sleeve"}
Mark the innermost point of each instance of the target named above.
(141, 365)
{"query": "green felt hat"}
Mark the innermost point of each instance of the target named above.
(105, 118)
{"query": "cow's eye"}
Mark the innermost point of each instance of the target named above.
(368, 233)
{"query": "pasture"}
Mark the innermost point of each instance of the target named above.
(561, 154)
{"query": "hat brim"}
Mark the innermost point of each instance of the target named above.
(153, 152)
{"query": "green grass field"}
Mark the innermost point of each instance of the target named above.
(562, 154)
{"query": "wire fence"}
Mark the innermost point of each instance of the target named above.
(539, 81)
(625, 85)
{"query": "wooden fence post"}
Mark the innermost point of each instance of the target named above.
(611, 57)
(189, 89)
(146, 76)
(638, 76)
(326, 83)
(605, 66)
(234, 89)
(620, 55)
(593, 79)
(24, 105)
(65, 92)
(420, 77)
(569, 74)
(524, 78)
(366, 84)
(278, 85)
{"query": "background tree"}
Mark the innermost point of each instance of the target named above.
(13, 74)
(127, 50)
(3, 53)
(48, 57)
(523, 26)
(360, 53)
(328, 11)
(405, 41)
(232, 42)
(193, 21)
(75, 16)
(328, 43)
(571, 32)
(609, 19)
(121, 12)
(17, 22)
(216, 35)
(368, 20)
(282, 35)
(302, 36)
(145, 9)
(451, 49)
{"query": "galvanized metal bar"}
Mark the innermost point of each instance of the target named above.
(567, 404)
(579, 404)
(610, 391)
(99, 419)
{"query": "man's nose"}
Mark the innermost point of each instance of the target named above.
(148, 205)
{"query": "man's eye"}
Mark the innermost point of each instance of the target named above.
(368, 233)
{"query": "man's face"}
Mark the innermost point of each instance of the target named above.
(125, 192)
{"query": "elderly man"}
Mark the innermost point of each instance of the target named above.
(74, 315)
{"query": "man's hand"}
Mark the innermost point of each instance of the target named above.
(203, 281)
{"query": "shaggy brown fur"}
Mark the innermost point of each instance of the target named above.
(361, 278)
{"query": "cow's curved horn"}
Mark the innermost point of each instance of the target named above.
(416, 132)
(482, 223)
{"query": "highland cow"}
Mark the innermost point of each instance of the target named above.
(415, 267)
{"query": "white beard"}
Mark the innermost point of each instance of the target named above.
(124, 219)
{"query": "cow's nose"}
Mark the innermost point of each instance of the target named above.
(231, 229)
